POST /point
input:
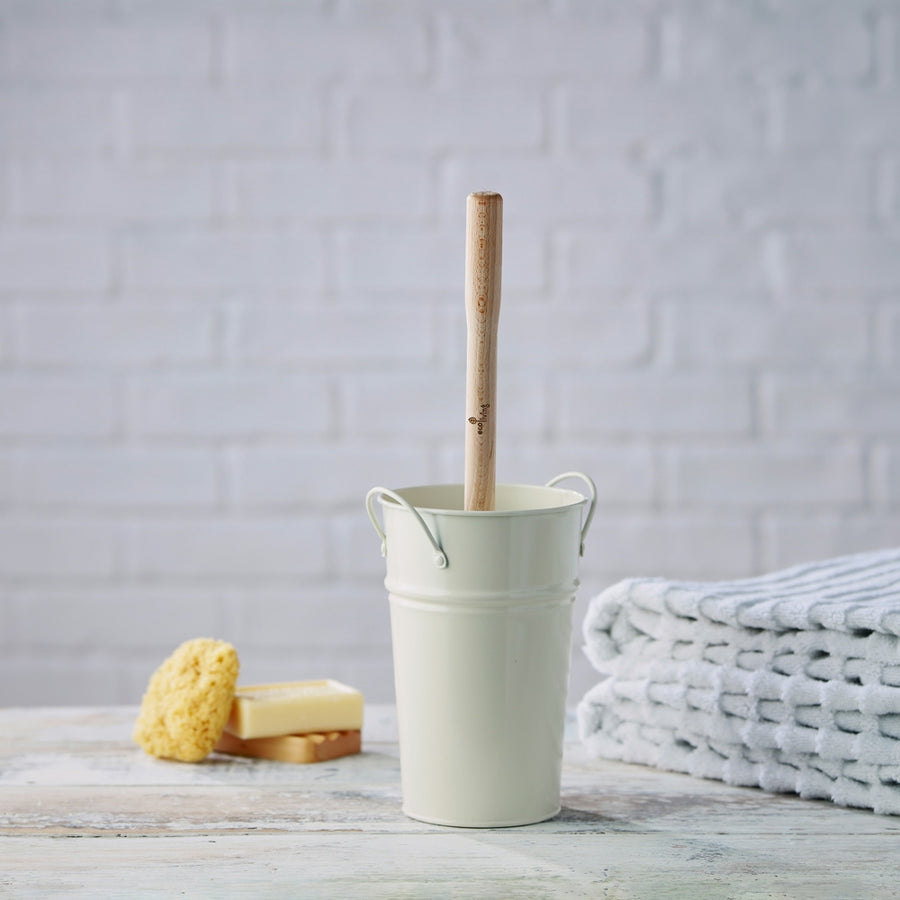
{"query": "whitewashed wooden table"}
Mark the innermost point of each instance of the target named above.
(85, 813)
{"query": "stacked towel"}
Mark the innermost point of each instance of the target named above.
(789, 682)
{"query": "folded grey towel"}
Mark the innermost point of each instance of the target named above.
(788, 681)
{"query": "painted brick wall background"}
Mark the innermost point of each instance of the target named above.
(231, 301)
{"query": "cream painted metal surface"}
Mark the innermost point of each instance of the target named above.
(85, 813)
(481, 623)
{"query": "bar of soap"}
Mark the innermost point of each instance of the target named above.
(295, 707)
(294, 748)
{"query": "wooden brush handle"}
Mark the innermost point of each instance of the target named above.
(484, 244)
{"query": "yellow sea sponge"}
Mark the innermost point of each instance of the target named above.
(187, 701)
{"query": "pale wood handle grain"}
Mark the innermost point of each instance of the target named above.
(484, 244)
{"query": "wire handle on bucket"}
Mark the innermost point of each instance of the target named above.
(440, 558)
(592, 490)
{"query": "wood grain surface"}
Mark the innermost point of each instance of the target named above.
(85, 812)
(484, 263)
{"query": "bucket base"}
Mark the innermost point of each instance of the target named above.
(499, 823)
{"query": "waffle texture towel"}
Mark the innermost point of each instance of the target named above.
(789, 681)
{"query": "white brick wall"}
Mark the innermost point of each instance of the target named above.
(231, 263)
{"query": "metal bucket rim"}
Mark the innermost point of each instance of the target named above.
(399, 501)
(574, 499)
